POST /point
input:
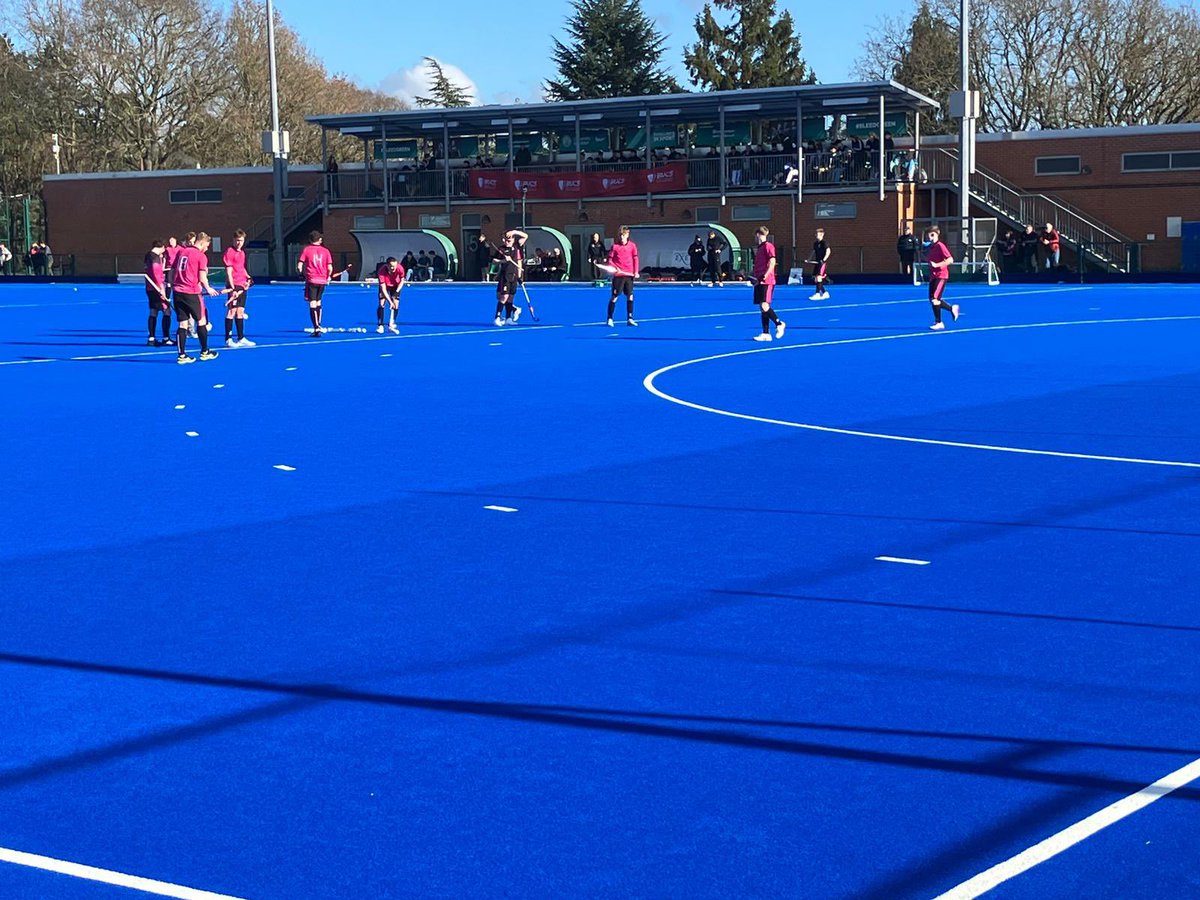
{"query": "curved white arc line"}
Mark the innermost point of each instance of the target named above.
(648, 384)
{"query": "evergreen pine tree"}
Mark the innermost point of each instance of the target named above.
(931, 64)
(614, 51)
(756, 49)
(443, 93)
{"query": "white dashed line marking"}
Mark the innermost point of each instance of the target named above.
(501, 508)
(180, 406)
(901, 559)
(282, 468)
(192, 433)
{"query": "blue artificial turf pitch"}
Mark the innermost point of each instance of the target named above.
(676, 670)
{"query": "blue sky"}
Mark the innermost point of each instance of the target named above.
(505, 49)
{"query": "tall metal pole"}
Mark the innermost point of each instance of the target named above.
(277, 161)
(967, 127)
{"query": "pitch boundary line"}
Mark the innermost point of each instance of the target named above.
(108, 876)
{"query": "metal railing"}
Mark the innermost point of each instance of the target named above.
(1097, 243)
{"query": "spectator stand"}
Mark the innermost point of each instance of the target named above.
(376, 246)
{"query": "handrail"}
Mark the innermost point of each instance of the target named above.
(1028, 207)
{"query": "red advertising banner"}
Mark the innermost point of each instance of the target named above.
(501, 185)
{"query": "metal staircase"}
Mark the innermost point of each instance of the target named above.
(295, 210)
(1098, 244)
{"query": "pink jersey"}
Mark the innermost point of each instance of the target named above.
(235, 260)
(170, 254)
(624, 257)
(317, 262)
(189, 263)
(390, 279)
(763, 270)
(938, 252)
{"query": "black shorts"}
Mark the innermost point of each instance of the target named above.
(238, 297)
(763, 292)
(506, 288)
(313, 292)
(622, 284)
(936, 287)
(156, 301)
(818, 270)
(188, 306)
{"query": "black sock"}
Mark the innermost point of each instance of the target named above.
(629, 308)
(166, 326)
(937, 312)
(152, 323)
(612, 307)
(241, 328)
(228, 329)
(202, 331)
(320, 314)
(181, 340)
(766, 320)
(499, 308)
(312, 314)
(774, 315)
(380, 315)
(509, 307)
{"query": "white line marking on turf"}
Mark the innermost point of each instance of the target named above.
(1072, 835)
(308, 343)
(218, 386)
(501, 508)
(494, 344)
(755, 312)
(290, 369)
(180, 406)
(41, 305)
(192, 433)
(107, 876)
(648, 384)
(384, 355)
(901, 559)
(282, 468)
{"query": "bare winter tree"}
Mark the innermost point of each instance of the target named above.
(1050, 63)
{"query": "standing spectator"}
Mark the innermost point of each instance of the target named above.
(47, 260)
(1008, 252)
(332, 171)
(1029, 248)
(1051, 241)
(35, 259)
(696, 256)
(906, 247)
(5, 259)
(714, 247)
(597, 253)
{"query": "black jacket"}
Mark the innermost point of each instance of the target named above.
(906, 245)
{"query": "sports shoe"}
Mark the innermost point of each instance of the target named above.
(780, 328)
(151, 342)
(825, 295)
(230, 342)
(815, 297)
(610, 324)
(379, 329)
(499, 322)
(393, 329)
(762, 337)
(183, 358)
(246, 342)
(630, 322)
(954, 311)
(938, 326)
(316, 332)
(516, 314)
(208, 354)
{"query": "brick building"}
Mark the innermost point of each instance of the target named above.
(1107, 188)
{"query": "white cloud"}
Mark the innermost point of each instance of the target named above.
(408, 84)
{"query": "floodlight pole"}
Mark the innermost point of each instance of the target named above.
(278, 162)
(966, 134)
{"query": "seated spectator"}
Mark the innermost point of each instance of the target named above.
(437, 266)
(424, 268)
(410, 266)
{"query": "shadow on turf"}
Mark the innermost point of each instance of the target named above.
(645, 724)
